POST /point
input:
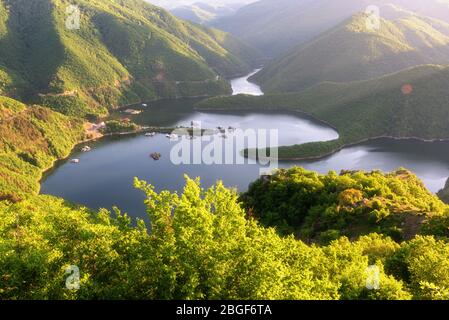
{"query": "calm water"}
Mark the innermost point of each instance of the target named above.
(243, 86)
(104, 177)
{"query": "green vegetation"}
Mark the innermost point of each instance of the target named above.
(202, 245)
(114, 126)
(207, 244)
(410, 103)
(353, 51)
(123, 53)
(296, 235)
(31, 139)
(321, 208)
(277, 26)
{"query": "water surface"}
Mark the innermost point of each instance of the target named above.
(243, 86)
(104, 177)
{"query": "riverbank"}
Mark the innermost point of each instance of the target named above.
(359, 112)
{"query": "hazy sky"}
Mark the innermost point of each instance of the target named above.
(176, 3)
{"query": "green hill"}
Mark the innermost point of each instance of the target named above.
(205, 245)
(203, 13)
(353, 51)
(410, 103)
(124, 52)
(31, 140)
(276, 26)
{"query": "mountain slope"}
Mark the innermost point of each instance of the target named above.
(276, 26)
(203, 13)
(124, 51)
(31, 139)
(353, 51)
(408, 104)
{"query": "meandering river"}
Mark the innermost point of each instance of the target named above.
(104, 176)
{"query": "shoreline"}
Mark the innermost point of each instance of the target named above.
(46, 171)
(348, 145)
(311, 116)
(160, 130)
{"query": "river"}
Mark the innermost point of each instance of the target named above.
(104, 176)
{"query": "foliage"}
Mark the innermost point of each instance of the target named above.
(199, 245)
(353, 51)
(315, 206)
(423, 264)
(114, 126)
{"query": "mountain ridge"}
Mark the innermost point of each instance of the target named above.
(123, 52)
(352, 52)
(276, 26)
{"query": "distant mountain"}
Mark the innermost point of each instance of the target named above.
(275, 26)
(171, 4)
(123, 52)
(204, 13)
(354, 51)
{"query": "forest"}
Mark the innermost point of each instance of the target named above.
(204, 244)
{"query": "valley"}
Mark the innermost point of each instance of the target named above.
(243, 150)
(105, 176)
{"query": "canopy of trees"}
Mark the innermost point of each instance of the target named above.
(202, 244)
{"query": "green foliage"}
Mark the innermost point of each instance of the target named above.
(324, 207)
(114, 126)
(70, 105)
(199, 245)
(9, 107)
(423, 263)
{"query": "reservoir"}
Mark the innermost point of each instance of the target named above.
(104, 177)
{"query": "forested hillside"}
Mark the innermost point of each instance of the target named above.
(123, 52)
(294, 235)
(408, 104)
(355, 51)
(276, 26)
(322, 208)
(31, 139)
(203, 245)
